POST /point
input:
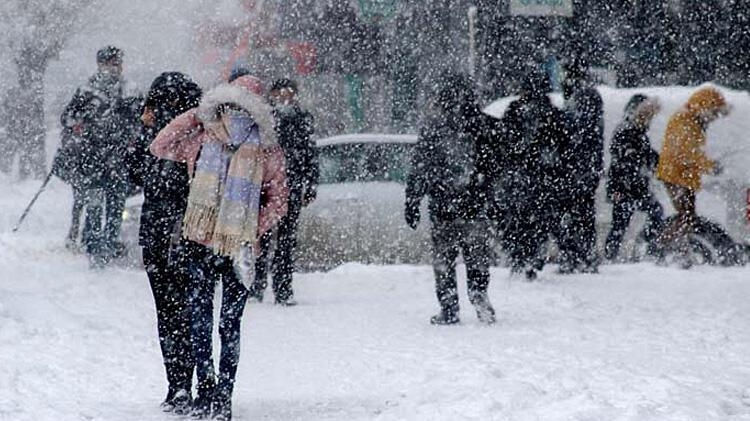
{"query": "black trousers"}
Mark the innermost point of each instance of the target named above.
(525, 235)
(449, 238)
(170, 286)
(283, 255)
(622, 212)
(577, 233)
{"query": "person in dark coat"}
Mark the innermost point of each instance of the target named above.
(165, 189)
(534, 135)
(633, 161)
(295, 129)
(449, 166)
(584, 163)
(91, 159)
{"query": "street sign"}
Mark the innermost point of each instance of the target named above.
(541, 7)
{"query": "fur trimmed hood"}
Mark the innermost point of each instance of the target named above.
(254, 104)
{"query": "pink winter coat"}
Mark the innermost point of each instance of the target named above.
(182, 138)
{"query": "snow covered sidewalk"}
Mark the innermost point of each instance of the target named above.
(637, 342)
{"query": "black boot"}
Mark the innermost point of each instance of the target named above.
(445, 317)
(222, 409)
(485, 311)
(168, 404)
(202, 403)
(182, 402)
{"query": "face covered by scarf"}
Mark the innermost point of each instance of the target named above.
(224, 199)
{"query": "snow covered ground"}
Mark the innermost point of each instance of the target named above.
(633, 343)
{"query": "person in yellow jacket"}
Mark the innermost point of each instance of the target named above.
(683, 162)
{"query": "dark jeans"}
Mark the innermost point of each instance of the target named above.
(622, 212)
(86, 203)
(577, 235)
(114, 202)
(169, 285)
(283, 256)
(98, 236)
(206, 269)
(471, 237)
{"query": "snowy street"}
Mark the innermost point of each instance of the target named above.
(637, 342)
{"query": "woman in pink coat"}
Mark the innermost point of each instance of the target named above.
(238, 192)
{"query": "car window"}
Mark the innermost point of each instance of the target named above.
(355, 162)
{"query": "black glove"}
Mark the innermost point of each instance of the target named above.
(411, 214)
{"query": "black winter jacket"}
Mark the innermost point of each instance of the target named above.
(633, 160)
(584, 154)
(535, 135)
(453, 165)
(165, 183)
(94, 156)
(295, 129)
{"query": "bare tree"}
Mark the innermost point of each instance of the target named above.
(36, 31)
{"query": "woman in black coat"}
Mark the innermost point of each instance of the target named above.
(165, 191)
(633, 161)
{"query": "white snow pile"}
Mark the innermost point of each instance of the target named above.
(636, 342)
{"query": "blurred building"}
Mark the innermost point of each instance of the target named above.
(368, 65)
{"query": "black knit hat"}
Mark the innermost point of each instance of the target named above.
(108, 54)
(173, 88)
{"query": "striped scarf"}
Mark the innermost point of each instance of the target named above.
(224, 200)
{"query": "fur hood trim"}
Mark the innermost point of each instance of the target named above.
(248, 101)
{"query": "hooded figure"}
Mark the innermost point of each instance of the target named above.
(683, 162)
(165, 189)
(534, 133)
(633, 162)
(451, 166)
(583, 160)
(237, 193)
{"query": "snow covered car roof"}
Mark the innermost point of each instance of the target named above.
(366, 138)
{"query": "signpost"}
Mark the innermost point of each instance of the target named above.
(541, 8)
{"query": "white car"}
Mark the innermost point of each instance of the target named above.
(358, 215)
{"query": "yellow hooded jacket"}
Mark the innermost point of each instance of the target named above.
(682, 160)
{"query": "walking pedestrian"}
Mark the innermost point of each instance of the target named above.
(238, 192)
(534, 136)
(633, 161)
(584, 163)
(295, 129)
(683, 162)
(449, 166)
(91, 157)
(165, 191)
